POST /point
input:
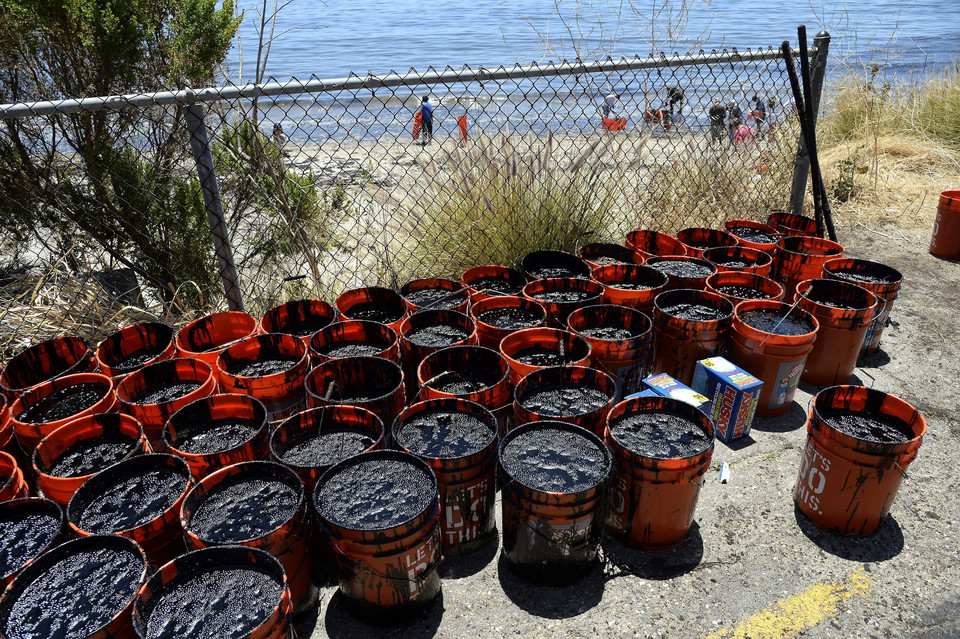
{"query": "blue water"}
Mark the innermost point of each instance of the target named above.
(336, 38)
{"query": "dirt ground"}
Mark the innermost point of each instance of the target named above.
(750, 550)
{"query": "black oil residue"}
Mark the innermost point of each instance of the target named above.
(566, 400)
(216, 435)
(562, 297)
(554, 272)
(610, 333)
(437, 336)
(326, 449)
(91, 455)
(262, 366)
(438, 298)
(828, 295)
(770, 321)
(137, 359)
(22, 536)
(682, 268)
(444, 434)
(870, 427)
(375, 494)
(629, 286)
(64, 402)
(498, 284)
(133, 500)
(552, 460)
(660, 435)
(694, 312)
(542, 356)
(166, 392)
(752, 235)
(243, 509)
(742, 292)
(510, 318)
(356, 348)
(374, 312)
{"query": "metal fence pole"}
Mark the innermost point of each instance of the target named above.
(200, 145)
(801, 168)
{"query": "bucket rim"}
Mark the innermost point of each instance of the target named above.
(871, 396)
(185, 412)
(33, 395)
(308, 380)
(304, 421)
(280, 341)
(184, 335)
(202, 372)
(75, 341)
(617, 309)
(121, 422)
(672, 405)
(451, 350)
(805, 285)
(753, 332)
(453, 403)
(369, 325)
(832, 266)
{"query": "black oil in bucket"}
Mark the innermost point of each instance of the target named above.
(872, 427)
(510, 318)
(683, 268)
(557, 401)
(742, 292)
(92, 455)
(436, 336)
(244, 509)
(695, 312)
(660, 435)
(773, 322)
(27, 527)
(442, 434)
(64, 402)
(501, 285)
(166, 392)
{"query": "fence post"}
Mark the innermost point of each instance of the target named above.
(801, 167)
(200, 145)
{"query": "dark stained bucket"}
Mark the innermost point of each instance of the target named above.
(792, 225)
(740, 258)
(83, 588)
(880, 279)
(155, 392)
(28, 528)
(65, 355)
(72, 454)
(270, 367)
(373, 303)
(599, 254)
(354, 338)
(473, 373)
(229, 591)
(661, 449)
(945, 239)
(258, 504)
(206, 337)
(654, 243)
(435, 293)
(561, 296)
(688, 326)
(631, 285)
(372, 383)
(738, 286)
(622, 342)
(497, 317)
(50, 405)
(860, 442)
(7, 439)
(535, 348)
(772, 340)
(217, 431)
(554, 489)
(573, 394)
(802, 258)
(134, 347)
(492, 281)
(550, 264)
(458, 440)
(697, 239)
(316, 439)
(12, 483)
(427, 332)
(381, 512)
(844, 311)
(755, 235)
(683, 272)
(301, 318)
(138, 498)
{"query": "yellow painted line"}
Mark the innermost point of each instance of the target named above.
(797, 613)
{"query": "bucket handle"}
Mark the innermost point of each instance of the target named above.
(771, 333)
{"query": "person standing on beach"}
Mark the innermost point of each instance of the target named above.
(717, 114)
(609, 104)
(734, 119)
(675, 98)
(426, 120)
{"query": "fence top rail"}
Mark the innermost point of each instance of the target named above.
(391, 79)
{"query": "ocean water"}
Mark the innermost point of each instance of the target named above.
(335, 38)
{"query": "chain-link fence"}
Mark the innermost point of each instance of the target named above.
(163, 205)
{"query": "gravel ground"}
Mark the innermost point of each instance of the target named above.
(750, 548)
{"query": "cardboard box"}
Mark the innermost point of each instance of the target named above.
(643, 393)
(733, 394)
(666, 386)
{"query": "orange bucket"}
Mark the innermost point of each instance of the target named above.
(426, 332)
(137, 498)
(562, 295)
(774, 352)
(662, 448)
(792, 225)
(535, 348)
(381, 512)
(373, 303)
(550, 264)
(631, 285)
(155, 392)
(654, 243)
(257, 504)
(945, 241)
(301, 318)
(755, 235)
(134, 347)
(72, 454)
(88, 586)
(698, 239)
(844, 312)
(458, 440)
(217, 431)
(48, 406)
(6, 428)
(205, 338)
(372, 383)
(497, 317)
(270, 367)
(683, 272)
(434, 293)
(12, 483)
(42, 362)
(207, 589)
(552, 521)
(621, 341)
(31, 527)
(354, 338)
(859, 444)
(740, 258)
(802, 258)
(573, 394)
(880, 279)
(688, 326)
(598, 254)
(738, 286)
(492, 281)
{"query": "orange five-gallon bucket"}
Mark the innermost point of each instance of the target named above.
(945, 241)
(859, 444)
